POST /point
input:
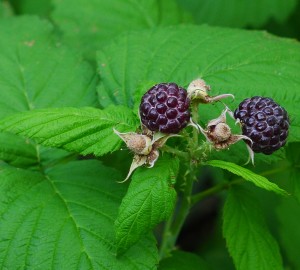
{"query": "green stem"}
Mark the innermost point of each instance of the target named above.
(213, 190)
(174, 224)
(164, 248)
(185, 206)
(276, 170)
(175, 151)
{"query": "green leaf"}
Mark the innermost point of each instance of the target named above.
(239, 13)
(37, 73)
(248, 175)
(248, 239)
(244, 63)
(41, 7)
(294, 170)
(88, 27)
(149, 200)
(63, 219)
(289, 234)
(17, 151)
(181, 260)
(85, 130)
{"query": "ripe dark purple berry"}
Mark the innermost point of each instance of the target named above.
(265, 122)
(165, 108)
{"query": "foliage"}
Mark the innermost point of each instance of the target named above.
(72, 73)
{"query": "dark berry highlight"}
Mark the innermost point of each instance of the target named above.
(265, 122)
(165, 108)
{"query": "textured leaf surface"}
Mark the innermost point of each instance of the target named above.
(248, 239)
(248, 175)
(149, 200)
(64, 220)
(239, 13)
(244, 63)
(35, 73)
(88, 27)
(85, 130)
(17, 151)
(181, 260)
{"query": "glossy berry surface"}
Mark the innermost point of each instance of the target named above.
(265, 122)
(165, 108)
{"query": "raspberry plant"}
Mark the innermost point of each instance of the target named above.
(71, 84)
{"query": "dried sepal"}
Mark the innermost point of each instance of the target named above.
(136, 162)
(145, 147)
(152, 157)
(218, 133)
(198, 90)
(138, 143)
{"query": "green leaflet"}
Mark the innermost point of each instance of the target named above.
(181, 260)
(85, 130)
(248, 239)
(239, 13)
(36, 73)
(248, 175)
(88, 27)
(244, 63)
(149, 200)
(63, 219)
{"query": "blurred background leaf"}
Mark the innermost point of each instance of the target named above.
(89, 26)
(5, 9)
(236, 13)
(33, 7)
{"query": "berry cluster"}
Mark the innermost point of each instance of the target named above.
(265, 122)
(165, 108)
(164, 112)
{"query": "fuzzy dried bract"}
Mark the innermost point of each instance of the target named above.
(218, 133)
(145, 147)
